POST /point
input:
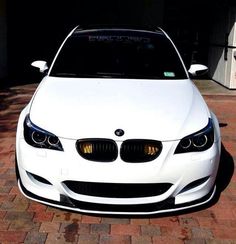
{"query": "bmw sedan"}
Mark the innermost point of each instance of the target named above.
(116, 126)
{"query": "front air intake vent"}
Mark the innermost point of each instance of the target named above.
(139, 150)
(101, 150)
(117, 190)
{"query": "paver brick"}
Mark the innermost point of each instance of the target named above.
(90, 219)
(2, 181)
(150, 230)
(49, 227)
(12, 236)
(11, 183)
(17, 215)
(15, 190)
(54, 210)
(43, 216)
(181, 233)
(36, 207)
(66, 217)
(167, 240)
(88, 239)
(58, 238)
(35, 237)
(207, 222)
(224, 213)
(232, 223)
(71, 232)
(84, 228)
(196, 240)
(4, 198)
(20, 203)
(224, 233)
(203, 233)
(141, 240)
(125, 229)
(167, 221)
(115, 239)
(2, 214)
(218, 241)
(140, 222)
(24, 225)
(100, 228)
(191, 222)
(5, 189)
(115, 220)
(4, 225)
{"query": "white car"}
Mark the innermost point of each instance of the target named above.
(117, 127)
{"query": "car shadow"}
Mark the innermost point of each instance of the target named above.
(225, 171)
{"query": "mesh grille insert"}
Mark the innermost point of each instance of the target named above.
(102, 150)
(137, 151)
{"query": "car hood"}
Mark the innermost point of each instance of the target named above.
(78, 108)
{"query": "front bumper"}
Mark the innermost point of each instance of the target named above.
(192, 178)
(141, 209)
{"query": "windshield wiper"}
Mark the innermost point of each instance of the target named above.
(110, 74)
(105, 75)
(64, 74)
(80, 75)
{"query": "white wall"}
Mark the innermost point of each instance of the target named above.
(232, 54)
(222, 70)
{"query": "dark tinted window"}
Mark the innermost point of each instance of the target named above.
(118, 54)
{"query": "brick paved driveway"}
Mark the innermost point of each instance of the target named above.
(25, 221)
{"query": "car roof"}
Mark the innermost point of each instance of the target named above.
(92, 28)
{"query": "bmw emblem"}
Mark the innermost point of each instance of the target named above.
(119, 132)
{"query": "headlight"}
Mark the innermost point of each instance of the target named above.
(197, 142)
(40, 138)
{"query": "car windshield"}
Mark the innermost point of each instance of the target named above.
(118, 54)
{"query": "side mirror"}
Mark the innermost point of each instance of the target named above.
(198, 69)
(41, 65)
